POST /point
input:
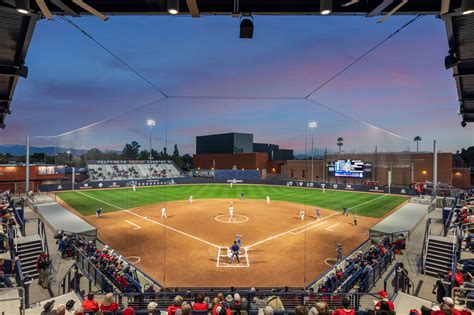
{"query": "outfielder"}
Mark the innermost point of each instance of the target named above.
(190, 199)
(134, 187)
(163, 213)
(302, 215)
(318, 214)
(268, 200)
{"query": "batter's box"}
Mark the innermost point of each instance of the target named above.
(223, 259)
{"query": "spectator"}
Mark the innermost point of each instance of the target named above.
(259, 302)
(401, 278)
(89, 304)
(61, 310)
(384, 298)
(322, 308)
(219, 307)
(128, 311)
(177, 304)
(5, 282)
(275, 302)
(152, 308)
(384, 309)
(108, 304)
(199, 304)
(439, 288)
(345, 310)
(228, 300)
(238, 304)
(186, 309)
(301, 310)
(267, 310)
(42, 265)
(448, 304)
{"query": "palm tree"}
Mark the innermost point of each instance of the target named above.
(417, 139)
(340, 143)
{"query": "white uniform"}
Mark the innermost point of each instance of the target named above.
(231, 184)
(190, 199)
(163, 213)
(318, 214)
(231, 211)
(302, 215)
(268, 200)
(134, 187)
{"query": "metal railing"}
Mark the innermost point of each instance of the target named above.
(463, 295)
(290, 299)
(394, 277)
(89, 270)
(424, 250)
(21, 298)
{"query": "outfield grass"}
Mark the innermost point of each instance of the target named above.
(371, 205)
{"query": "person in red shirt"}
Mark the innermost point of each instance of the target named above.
(177, 303)
(200, 305)
(108, 304)
(345, 310)
(128, 311)
(384, 298)
(89, 304)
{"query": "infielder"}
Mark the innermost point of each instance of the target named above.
(318, 214)
(302, 215)
(345, 211)
(190, 199)
(163, 213)
(242, 196)
(231, 210)
(268, 200)
(355, 219)
(98, 212)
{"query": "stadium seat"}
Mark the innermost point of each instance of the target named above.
(199, 312)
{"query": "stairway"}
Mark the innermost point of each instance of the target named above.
(439, 256)
(28, 250)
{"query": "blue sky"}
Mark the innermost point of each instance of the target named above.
(401, 87)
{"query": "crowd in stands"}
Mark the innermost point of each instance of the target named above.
(356, 269)
(110, 264)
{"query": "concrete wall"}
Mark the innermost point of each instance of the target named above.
(246, 161)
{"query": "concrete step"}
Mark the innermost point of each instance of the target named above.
(431, 257)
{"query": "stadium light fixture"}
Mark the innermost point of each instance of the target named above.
(23, 6)
(325, 7)
(173, 7)
(90, 9)
(467, 7)
(312, 125)
(150, 122)
(246, 27)
(451, 60)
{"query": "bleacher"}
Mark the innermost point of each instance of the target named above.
(131, 170)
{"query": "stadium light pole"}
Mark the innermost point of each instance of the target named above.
(68, 156)
(312, 125)
(150, 123)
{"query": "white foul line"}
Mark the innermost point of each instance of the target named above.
(135, 225)
(367, 201)
(152, 221)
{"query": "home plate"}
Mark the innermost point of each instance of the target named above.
(223, 259)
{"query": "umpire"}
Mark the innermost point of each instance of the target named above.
(235, 248)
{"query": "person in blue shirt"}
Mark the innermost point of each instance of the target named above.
(242, 196)
(98, 212)
(235, 252)
(238, 240)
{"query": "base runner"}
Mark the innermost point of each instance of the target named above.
(163, 213)
(302, 215)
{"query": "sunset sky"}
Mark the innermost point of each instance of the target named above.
(402, 87)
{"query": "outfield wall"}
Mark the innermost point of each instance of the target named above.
(182, 181)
